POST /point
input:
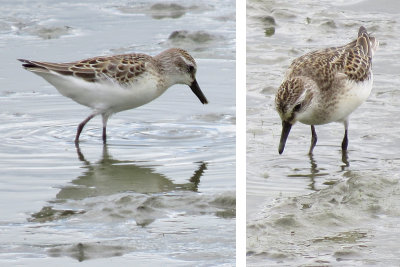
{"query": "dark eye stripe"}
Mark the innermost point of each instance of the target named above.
(297, 108)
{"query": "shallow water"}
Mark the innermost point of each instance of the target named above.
(329, 209)
(162, 191)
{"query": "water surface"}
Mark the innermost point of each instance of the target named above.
(162, 191)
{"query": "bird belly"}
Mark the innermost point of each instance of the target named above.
(354, 94)
(336, 105)
(106, 96)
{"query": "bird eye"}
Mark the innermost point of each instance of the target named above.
(190, 68)
(297, 107)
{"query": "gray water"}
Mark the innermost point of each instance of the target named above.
(329, 209)
(162, 191)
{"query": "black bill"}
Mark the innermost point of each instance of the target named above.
(196, 90)
(286, 126)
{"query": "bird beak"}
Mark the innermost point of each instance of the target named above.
(196, 90)
(286, 126)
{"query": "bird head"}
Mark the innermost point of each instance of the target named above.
(291, 101)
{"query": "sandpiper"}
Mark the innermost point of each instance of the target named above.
(326, 86)
(110, 84)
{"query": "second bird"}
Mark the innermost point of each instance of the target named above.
(326, 86)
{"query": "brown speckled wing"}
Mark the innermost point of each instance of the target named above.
(121, 68)
(353, 59)
(359, 59)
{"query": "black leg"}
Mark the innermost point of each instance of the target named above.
(345, 141)
(105, 119)
(81, 125)
(313, 139)
(104, 135)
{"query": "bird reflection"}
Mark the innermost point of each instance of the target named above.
(109, 176)
(345, 160)
(313, 172)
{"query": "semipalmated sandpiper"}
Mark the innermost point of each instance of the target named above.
(110, 84)
(326, 86)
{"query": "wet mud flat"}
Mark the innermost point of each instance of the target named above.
(328, 209)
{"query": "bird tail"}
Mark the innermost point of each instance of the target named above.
(33, 66)
(367, 42)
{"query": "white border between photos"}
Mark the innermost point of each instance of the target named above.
(240, 133)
